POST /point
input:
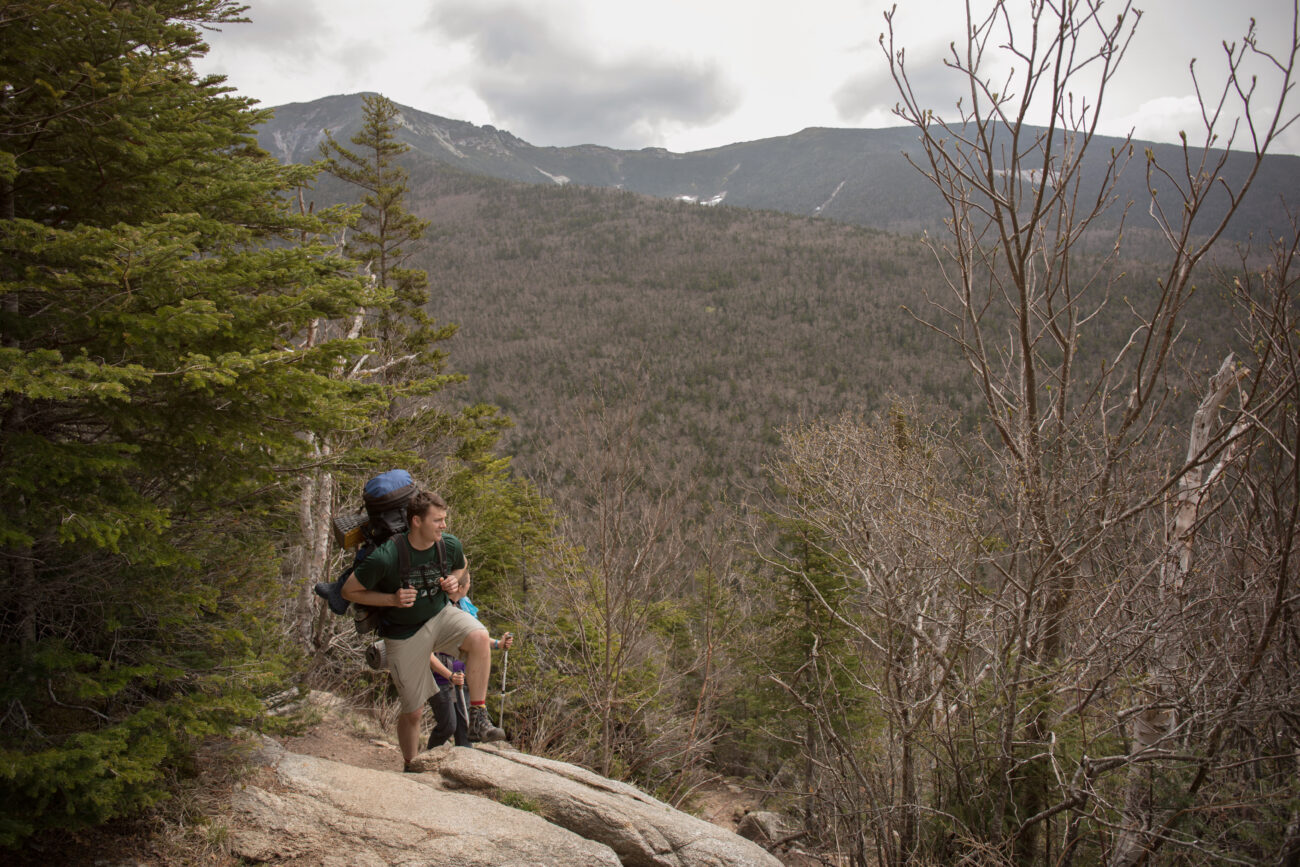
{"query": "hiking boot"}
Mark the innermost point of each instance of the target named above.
(331, 592)
(481, 728)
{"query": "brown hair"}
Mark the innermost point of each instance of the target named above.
(421, 502)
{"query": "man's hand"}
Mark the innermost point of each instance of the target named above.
(458, 679)
(451, 583)
(405, 597)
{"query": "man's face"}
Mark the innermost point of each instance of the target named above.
(428, 529)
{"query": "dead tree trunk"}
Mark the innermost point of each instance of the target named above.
(315, 505)
(1156, 725)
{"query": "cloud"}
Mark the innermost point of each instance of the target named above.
(927, 37)
(293, 30)
(541, 82)
(1162, 119)
(686, 74)
(931, 84)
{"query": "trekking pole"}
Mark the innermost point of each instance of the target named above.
(464, 704)
(505, 664)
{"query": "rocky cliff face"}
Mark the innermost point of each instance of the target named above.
(490, 805)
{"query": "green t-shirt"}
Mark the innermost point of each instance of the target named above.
(380, 570)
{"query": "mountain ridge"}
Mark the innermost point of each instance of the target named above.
(856, 176)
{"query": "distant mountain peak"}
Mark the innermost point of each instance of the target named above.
(855, 176)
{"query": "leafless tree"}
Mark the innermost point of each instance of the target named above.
(898, 535)
(621, 570)
(1086, 709)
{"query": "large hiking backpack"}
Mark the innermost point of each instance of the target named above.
(384, 515)
(385, 498)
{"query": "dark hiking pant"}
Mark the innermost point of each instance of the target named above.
(448, 717)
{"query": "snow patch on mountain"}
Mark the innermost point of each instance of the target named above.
(817, 210)
(443, 139)
(432, 130)
(559, 179)
(1031, 176)
(710, 202)
(288, 143)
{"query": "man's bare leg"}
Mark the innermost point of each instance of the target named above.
(408, 733)
(477, 650)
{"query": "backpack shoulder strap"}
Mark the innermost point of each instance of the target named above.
(403, 560)
(442, 556)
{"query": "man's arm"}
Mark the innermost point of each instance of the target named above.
(354, 591)
(451, 583)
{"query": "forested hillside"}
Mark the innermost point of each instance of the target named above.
(732, 323)
(724, 324)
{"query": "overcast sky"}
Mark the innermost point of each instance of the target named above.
(687, 74)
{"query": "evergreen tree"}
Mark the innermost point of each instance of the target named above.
(407, 334)
(154, 395)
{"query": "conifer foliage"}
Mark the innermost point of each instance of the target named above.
(382, 242)
(154, 393)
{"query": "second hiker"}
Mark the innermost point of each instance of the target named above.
(450, 714)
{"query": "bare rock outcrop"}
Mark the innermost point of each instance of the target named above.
(486, 806)
(643, 831)
(320, 812)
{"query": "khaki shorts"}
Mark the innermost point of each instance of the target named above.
(408, 658)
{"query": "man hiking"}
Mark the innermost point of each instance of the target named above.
(419, 619)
